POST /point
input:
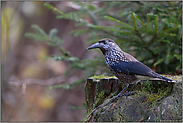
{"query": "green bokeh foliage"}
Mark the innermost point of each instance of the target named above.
(151, 31)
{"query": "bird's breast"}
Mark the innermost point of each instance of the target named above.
(114, 57)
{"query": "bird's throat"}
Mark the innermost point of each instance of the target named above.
(103, 51)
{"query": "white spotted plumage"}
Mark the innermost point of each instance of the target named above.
(115, 56)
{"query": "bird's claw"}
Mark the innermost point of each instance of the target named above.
(125, 94)
(129, 94)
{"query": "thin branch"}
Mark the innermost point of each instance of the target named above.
(44, 82)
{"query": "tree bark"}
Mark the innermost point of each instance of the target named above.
(155, 101)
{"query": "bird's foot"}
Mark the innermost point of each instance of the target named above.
(129, 94)
(125, 94)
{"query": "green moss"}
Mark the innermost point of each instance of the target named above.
(99, 97)
(102, 77)
(90, 86)
(155, 91)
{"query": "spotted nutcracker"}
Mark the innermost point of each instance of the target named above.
(124, 66)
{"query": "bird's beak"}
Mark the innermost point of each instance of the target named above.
(96, 45)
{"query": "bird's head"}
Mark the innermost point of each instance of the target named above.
(105, 45)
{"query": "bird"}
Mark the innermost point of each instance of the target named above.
(124, 66)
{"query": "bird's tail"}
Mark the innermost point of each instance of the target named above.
(166, 79)
(163, 78)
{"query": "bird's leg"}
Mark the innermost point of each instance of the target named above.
(120, 94)
(129, 93)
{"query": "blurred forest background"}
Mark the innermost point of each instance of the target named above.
(44, 59)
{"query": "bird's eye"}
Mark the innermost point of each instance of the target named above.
(104, 42)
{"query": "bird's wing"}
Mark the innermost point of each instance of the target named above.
(132, 68)
(137, 68)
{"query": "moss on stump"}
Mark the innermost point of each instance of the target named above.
(155, 100)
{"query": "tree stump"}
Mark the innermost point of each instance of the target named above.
(155, 101)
